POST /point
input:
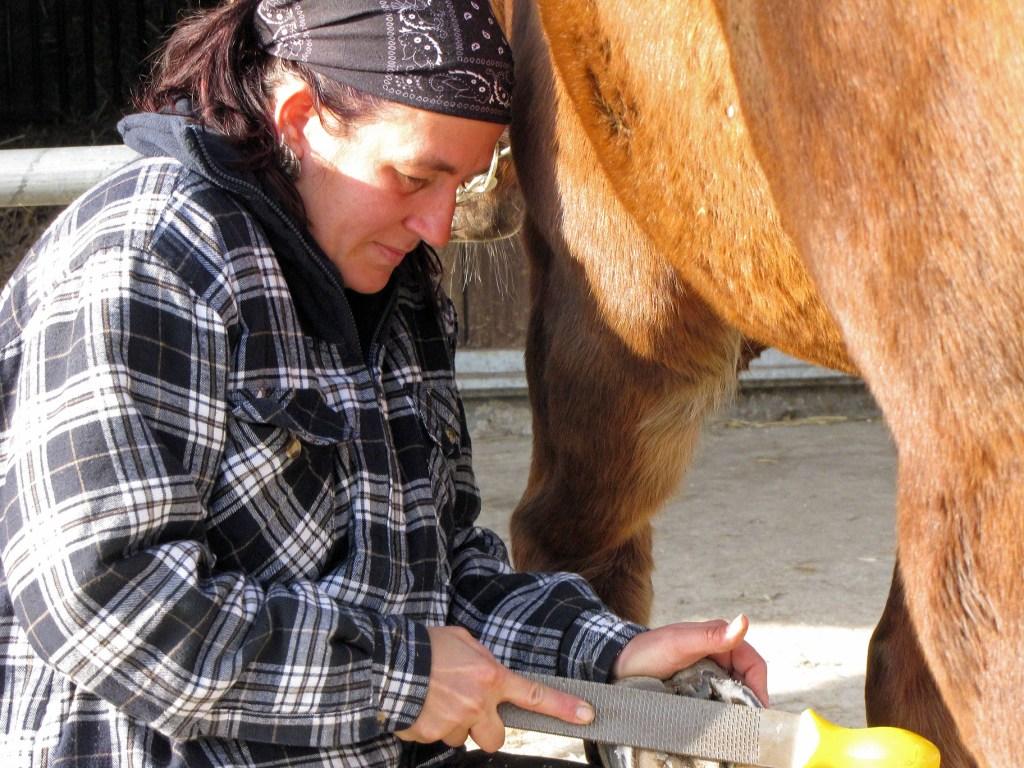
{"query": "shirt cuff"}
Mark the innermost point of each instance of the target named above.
(592, 644)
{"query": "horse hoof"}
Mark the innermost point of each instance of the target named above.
(704, 680)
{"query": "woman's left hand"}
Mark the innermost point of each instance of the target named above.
(664, 651)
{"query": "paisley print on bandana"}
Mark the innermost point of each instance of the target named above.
(433, 58)
(289, 37)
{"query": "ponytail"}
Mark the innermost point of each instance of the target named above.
(214, 59)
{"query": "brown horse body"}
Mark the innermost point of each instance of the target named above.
(688, 168)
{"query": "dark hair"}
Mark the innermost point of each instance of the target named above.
(215, 59)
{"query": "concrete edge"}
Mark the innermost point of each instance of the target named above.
(777, 388)
(502, 373)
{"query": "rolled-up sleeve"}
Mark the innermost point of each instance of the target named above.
(541, 622)
(115, 420)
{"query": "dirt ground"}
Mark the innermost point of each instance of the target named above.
(789, 522)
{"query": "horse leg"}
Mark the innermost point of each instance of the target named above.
(899, 688)
(623, 359)
(612, 432)
(892, 136)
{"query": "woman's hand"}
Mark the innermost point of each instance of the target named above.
(664, 651)
(466, 685)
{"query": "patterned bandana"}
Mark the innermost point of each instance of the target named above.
(446, 56)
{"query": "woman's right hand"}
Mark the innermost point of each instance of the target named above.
(466, 686)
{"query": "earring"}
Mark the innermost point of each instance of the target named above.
(288, 160)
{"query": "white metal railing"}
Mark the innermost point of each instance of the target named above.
(55, 175)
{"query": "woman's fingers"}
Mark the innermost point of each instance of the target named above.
(466, 686)
(741, 660)
(747, 665)
(736, 630)
(537, 697)
(489, 732)
(458, 737)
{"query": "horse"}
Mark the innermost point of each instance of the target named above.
(843, 181)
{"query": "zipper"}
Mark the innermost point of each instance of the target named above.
(384, 315)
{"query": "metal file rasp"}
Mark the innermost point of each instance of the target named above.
(733, 733)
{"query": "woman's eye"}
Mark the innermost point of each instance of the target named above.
(411, 182)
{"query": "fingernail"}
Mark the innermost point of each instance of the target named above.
(584, 713)
(734, 626)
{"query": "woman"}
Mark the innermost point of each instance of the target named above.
(238, 503)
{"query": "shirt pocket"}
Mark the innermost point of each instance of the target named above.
(439, 412)
(280, 510)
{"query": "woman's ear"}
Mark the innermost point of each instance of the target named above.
(293, 109)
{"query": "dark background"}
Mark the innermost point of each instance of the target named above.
(67, 62)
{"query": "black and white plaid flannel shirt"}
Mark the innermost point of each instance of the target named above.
(223, 535)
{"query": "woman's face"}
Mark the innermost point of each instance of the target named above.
(372, 194)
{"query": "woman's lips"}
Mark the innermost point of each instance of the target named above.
(391, 255)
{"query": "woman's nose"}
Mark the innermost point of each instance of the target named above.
(433, 224)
